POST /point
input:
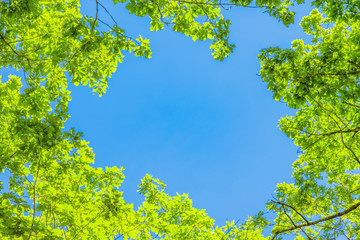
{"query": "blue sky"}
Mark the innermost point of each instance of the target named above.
(204, 127)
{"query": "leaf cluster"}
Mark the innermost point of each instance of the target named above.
(53, 191)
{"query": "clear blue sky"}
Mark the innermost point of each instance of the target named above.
(204, 127)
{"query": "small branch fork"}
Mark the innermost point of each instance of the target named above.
(284, 209)
(341, 131)
(161, 15)
(98, 3)
(287, 205)
(96, 17)
(112, 18)
(354, 130)
(326, 75)
(13, 50)
(308, 224)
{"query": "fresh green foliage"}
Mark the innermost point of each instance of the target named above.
(321, 80)
(53, 190)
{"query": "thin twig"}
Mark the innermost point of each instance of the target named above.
(13, 50)
(295, 224)
(96, 16)
(108, 12)
(287, 205)
(352, 208)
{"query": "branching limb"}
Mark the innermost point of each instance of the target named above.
(289, 206)
(350, 209)
(293, 223)
(96, 16)
(349, 148)
(13, 50)
(107, 12)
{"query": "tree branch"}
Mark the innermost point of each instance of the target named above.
(352, 208)
(284, 204)
(295, 224)
(13, 50)
(107, 12)
(96, 16)
(348, 148)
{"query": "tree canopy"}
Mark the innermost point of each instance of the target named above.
(54, 192)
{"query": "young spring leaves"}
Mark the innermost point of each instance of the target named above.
(321, 80)
(54, 192)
